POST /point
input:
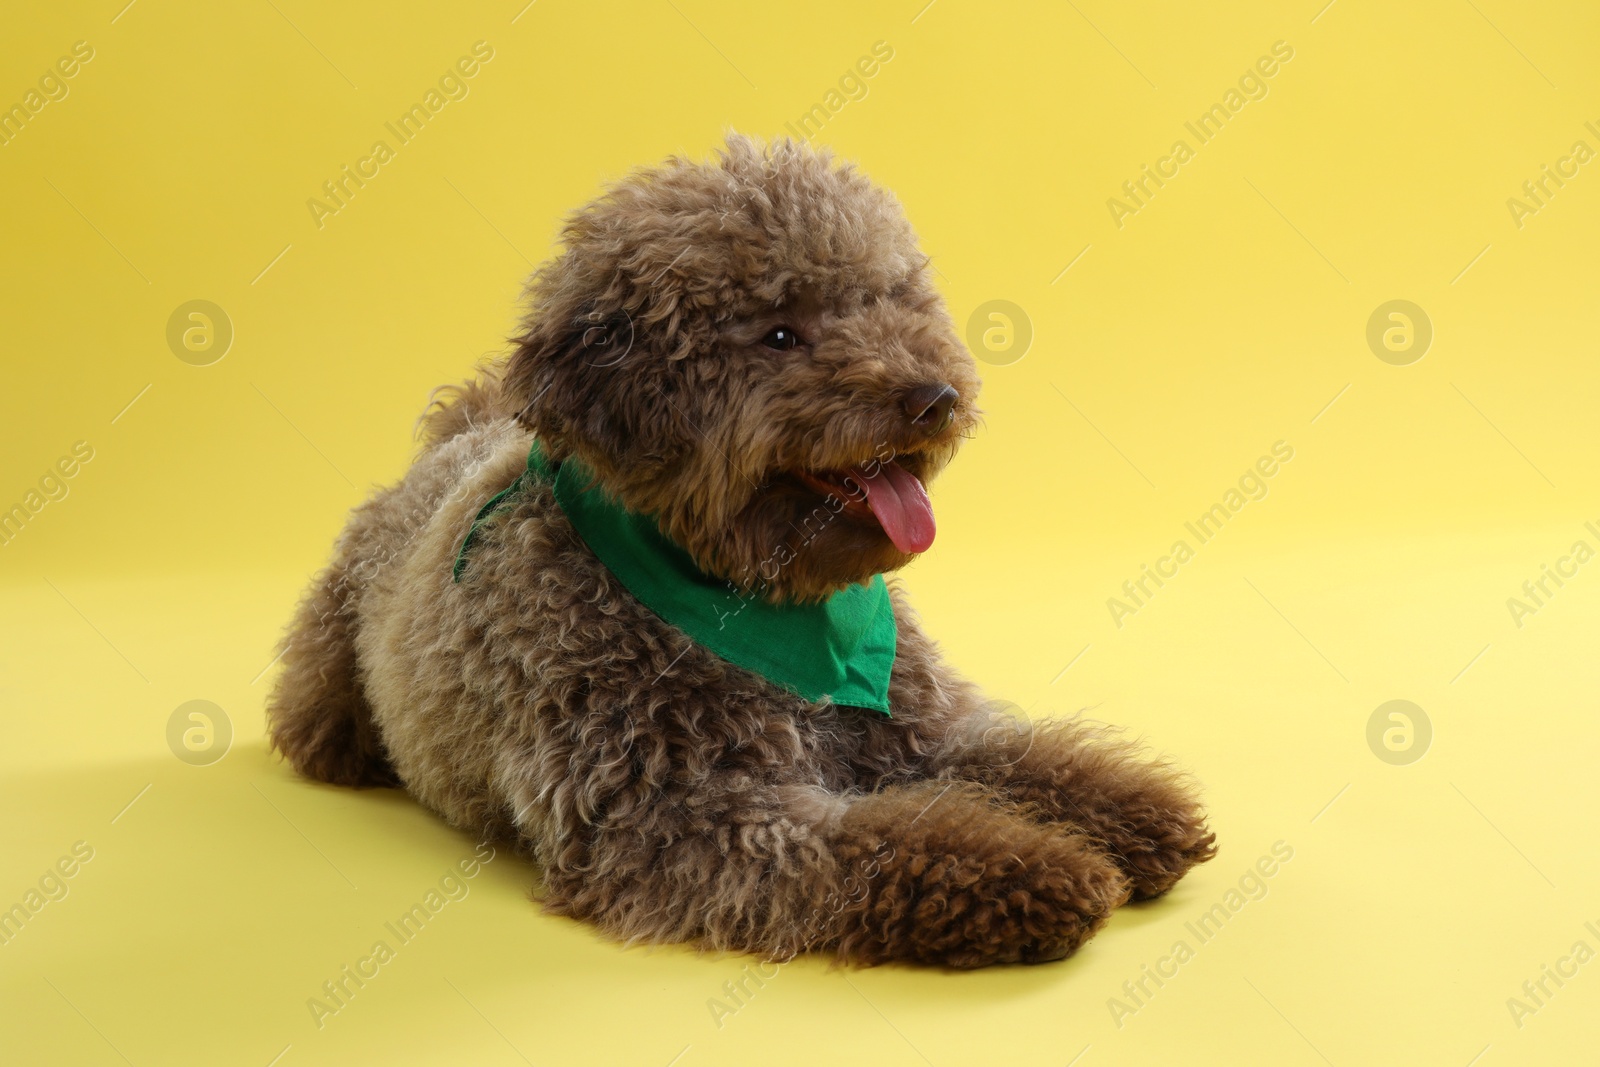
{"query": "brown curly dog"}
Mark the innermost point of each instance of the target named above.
(750, 354)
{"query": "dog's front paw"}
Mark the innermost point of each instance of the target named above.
(999, 889)
(1144, 814)
(1156, 835)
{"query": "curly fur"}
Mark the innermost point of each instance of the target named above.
(667, 794)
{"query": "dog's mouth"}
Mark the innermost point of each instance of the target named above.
(888, 492)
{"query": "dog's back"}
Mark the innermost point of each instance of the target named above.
(320, 713)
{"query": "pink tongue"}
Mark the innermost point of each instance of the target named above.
(901, 505)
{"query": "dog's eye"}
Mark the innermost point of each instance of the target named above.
(782, 339)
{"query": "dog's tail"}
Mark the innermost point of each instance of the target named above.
(454, 409)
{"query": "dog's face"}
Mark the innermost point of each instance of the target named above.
(752, 351)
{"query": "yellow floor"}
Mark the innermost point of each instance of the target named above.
(1434, 891)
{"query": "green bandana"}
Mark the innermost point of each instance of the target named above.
(839, 650)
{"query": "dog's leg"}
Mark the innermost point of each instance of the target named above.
(319, 718)
(1145, 814)
(932, 872)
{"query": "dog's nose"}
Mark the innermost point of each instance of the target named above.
(929, 406)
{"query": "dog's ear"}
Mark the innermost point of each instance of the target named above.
(555, 372)
(585, 382)
(616, 362)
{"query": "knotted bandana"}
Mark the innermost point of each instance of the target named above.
(840, 649)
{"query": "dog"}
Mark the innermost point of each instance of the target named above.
(627, 608)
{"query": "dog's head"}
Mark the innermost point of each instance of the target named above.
(752, 351)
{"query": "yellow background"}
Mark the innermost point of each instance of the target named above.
(1224, 316)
